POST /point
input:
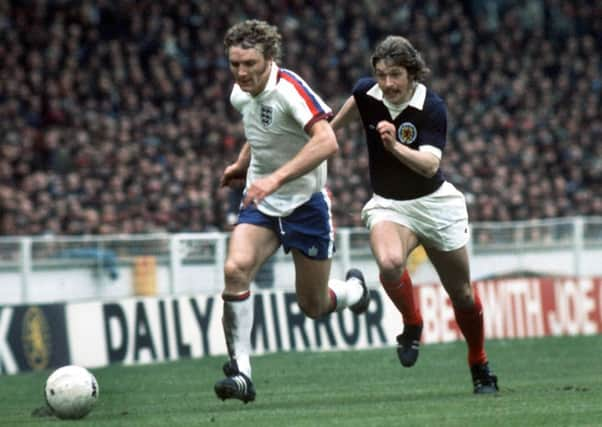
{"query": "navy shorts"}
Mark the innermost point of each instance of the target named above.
(308, 228)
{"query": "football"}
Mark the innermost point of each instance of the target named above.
(71, 392)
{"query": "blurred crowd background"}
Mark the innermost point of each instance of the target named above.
(114, 115)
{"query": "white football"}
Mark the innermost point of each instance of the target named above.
(71, 392)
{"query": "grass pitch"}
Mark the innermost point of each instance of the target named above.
(546, 381)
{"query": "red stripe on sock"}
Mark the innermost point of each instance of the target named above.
(236, 297)
(402, 295)
(333, 300)
(470, 322)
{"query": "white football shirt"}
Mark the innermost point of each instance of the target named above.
(275, 123)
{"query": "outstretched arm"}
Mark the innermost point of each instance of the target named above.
(346, 114)
(321, 145)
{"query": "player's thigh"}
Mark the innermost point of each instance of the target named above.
(311, 279)
(249, 247)
(391, 244)
(453, 268)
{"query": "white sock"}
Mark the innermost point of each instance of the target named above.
(237, 322)
(347, 293)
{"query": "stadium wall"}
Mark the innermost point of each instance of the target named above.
(143, 330)
(52, 269)
(74, 281)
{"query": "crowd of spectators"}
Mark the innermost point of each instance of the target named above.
(114, 115)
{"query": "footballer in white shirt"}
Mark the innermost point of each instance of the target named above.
(283, 163)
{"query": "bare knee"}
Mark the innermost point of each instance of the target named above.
(461, 296)
(237, 276)
(391, 266)
(312, 307)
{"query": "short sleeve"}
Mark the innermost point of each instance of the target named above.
(434, 127)
(304, 104)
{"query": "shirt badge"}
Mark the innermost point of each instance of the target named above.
(267, 114)
(407, 133)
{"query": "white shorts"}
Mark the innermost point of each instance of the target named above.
(439, 220)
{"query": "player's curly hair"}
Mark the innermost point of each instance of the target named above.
(257, 34)
(398, 50)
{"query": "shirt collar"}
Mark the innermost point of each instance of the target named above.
(416, 101)
(272, 79)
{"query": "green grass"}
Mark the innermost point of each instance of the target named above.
(548, 381)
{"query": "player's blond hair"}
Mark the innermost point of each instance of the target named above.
(397, 50)
(256, 34)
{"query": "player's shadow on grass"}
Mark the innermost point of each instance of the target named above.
(306, 401)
